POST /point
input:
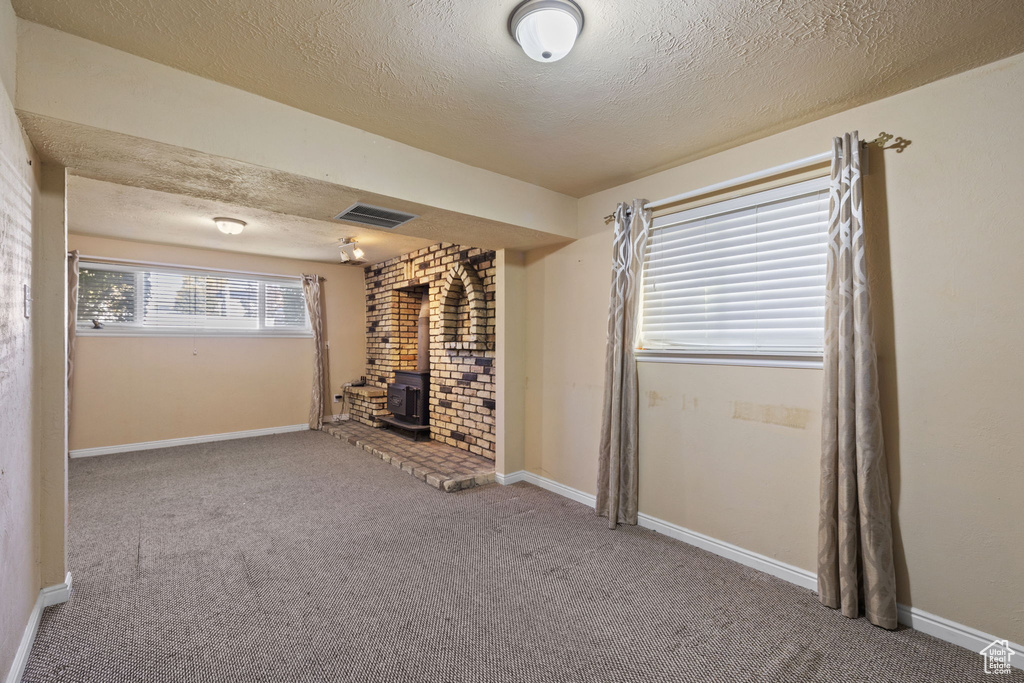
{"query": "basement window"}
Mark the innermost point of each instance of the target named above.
(133, 300)
(739, 282)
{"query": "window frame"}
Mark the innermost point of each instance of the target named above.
(139, 329)
(778, 359)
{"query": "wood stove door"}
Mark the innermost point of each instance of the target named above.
(398, 400)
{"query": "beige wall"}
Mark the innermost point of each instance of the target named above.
(8, 48)
(947, 236)
(49, 278)
(19, 574)
(135, 389)
(510, 333)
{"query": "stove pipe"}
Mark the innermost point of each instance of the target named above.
(423, 335)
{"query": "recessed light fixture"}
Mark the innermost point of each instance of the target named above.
(350, 253)
(546, 29)
(229, 226)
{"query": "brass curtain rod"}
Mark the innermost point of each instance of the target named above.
(899, 144)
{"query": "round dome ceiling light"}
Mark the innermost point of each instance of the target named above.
(546, 29)
(229, 226)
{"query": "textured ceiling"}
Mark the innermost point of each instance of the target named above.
(194, 187)
(651, 83)
(106, 209)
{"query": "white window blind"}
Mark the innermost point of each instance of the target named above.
(128, 299)
(742, 276)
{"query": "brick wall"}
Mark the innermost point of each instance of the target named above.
(459, 282)
(367, 405)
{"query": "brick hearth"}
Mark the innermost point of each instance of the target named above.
(367, 405)
(441, 466)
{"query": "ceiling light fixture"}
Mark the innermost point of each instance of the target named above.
(546, 29)
(350, 253)
(229, 226)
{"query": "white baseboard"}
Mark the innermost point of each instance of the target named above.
(763, 563)
(952, 632)
(55, 595)
(51, 595)
(184, 441)
(550, 485)
(511, 478)
(939, 627)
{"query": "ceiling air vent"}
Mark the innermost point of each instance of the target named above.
(364, 214)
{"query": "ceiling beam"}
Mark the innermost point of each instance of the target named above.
(68, 79)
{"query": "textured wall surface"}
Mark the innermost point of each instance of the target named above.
(18, 186)
(945, 239)
(649, 82)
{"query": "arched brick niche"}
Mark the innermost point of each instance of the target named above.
(463, 310)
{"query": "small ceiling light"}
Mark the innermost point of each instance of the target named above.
(350, 253)
(546, 29)
(229, 226)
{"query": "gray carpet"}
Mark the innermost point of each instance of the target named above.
(300, 558)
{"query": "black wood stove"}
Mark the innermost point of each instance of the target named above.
(408, 401)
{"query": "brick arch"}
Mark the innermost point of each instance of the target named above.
(473, 290)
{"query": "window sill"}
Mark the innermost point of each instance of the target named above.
(802, 362)
(244, 334)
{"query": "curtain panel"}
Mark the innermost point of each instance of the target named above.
(855, 556)
(72, 318)
(618, 483)
(317, 406)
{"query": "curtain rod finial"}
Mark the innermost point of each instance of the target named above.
(898, 143)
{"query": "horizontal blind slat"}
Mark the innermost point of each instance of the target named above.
(656, 313)
(805, 283)
(723, 226)
(804, 245)
(807, 225)
(728, 276)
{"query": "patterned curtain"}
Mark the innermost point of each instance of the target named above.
(854, 528)
(72, 317)
(617, 484)
(311, 286)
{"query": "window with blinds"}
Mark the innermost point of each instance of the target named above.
(745, 276)
(165, 301)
